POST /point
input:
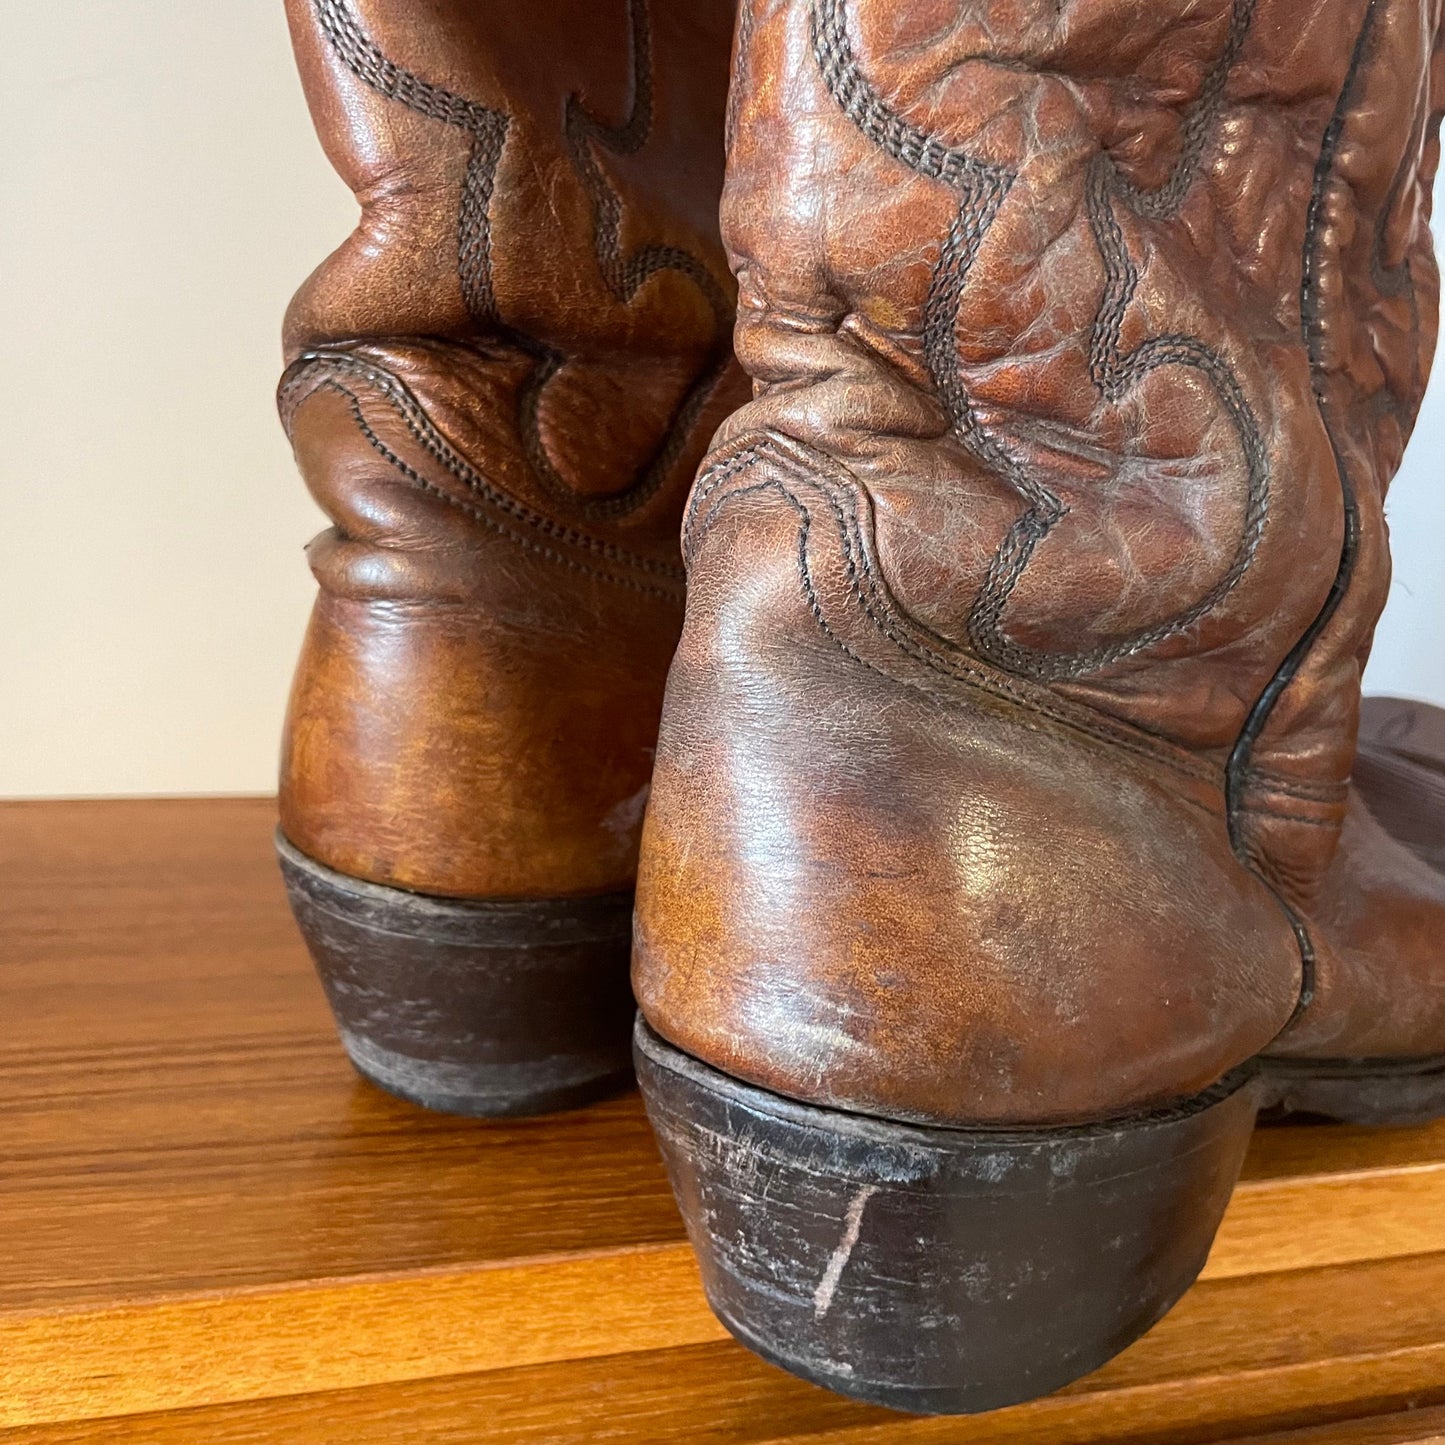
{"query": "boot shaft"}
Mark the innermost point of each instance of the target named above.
(499, 389)
(1121, 322)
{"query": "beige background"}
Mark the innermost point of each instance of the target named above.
(162, 195)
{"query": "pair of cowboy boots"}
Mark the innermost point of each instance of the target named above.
(1003, 856)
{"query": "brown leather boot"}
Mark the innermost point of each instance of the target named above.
(499, 390)
(1002, 859)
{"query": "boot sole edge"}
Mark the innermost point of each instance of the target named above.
(481, 1007)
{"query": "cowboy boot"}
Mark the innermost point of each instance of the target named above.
(499, 388)
(1002, 860)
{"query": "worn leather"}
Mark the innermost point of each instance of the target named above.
(1004, 767)
(1379, 910)
(499, 388)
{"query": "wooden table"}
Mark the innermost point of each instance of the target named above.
(211, 1230)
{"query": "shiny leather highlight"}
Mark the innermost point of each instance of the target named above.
(1005, 766)
(498, 388)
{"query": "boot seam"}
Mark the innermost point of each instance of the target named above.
(623, 277)
(428, 436)
(763, 447)
(1238, 770)
(981, 188)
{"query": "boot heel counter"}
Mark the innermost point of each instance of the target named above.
(475, 706)
(873, 886)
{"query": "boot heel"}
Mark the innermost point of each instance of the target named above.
(470, 1007)
(938, 1270)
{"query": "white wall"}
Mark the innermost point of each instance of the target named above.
(160, 196)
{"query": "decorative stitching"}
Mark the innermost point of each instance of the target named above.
(1238, 770)
(624, 277)
(625, 274)
(476, 513)
(805, 572)
(487, 128)
(301, 378)
(982, 188)
(869, 592)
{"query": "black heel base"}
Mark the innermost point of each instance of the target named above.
(487, 1008)
(938, 1270)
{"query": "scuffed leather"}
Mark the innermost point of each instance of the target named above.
(1004, 765)
(499, 388)
(882, 876)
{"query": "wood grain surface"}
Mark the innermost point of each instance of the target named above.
(210, 1230)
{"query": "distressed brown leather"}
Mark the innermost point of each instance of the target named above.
(1004, 768)
(499, 389)
(1379, 909)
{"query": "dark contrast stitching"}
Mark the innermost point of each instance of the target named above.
(805, 571)
(301, 382)
(624, 277)
(487, 128)
(625, 274)
(870, 595)
(982, 188)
